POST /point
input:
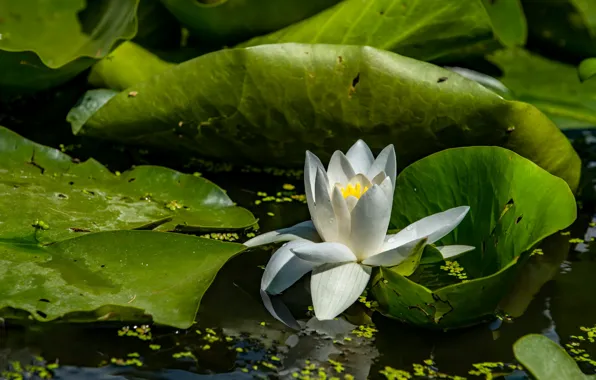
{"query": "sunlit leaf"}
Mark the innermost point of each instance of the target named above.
(513, 205)
(269, 104)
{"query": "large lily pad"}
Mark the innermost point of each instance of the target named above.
(424, 30)
(513, 205)
(231, 21)
(118, 275)
(270, 103)
(508, 21)
(46, 196)
(45, 43)
(553, 87)
(127, 65)
(545, 359)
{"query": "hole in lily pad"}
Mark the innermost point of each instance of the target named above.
(41, 314)
(519, 218)
(44, 300)
(355, 81)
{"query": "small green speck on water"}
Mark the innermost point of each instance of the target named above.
(364, 331)
(454, 269)
(566, 233)
(173, 205)
(537, 251)
(40, 224)
(117, 173)
(154, 347)
(576, 240)
(270, 214)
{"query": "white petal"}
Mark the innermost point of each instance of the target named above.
(339, 170)
(279, 310)
(284, 268)
(342, 215)
(449, 251)
(360, 157)
(387, 187)
(323, 216)
(351, 202)
(393, 256)
(305, 230)
(311, 165)
(370, 219)
(385, 162)
(435, 227)
(334, 287)
(323, 253)
(360, 179)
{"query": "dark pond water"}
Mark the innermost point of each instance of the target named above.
(235, 338)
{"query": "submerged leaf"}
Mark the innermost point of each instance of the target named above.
(271, 103)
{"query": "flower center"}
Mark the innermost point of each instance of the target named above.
(353, 190)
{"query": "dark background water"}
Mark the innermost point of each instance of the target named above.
(555, 296)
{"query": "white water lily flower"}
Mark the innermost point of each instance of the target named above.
(350, 206)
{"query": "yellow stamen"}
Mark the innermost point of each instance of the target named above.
(355, 191)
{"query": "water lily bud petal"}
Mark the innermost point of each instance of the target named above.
(304, 230)
(385, 162)
(435, 227)
(370, 219)
(339, 170)
(323, 216)
(334, 287)
(284, 268)
(450, 251)
(360, 157)
(393, 256)
(342, 215)
(323, 253)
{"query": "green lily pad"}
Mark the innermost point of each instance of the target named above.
(514, 204)
(117, 275)
(547, 360)
(230, 21)
(508, 21)
(269, 104)
(127, 65)
(43, 44)
(406, 28)
(553, 87)
(47, 197)
(587, 69)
